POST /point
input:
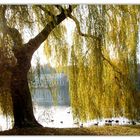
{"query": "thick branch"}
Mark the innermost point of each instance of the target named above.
(93, 37)
(15, 35)
(79, 30)
(34, 43)
(60, 8)
(111, 64)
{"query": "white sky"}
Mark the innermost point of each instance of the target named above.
(70, 25)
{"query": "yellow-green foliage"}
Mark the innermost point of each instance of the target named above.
(102, 70)
(5, 96)
(101, 65)
(6, 60)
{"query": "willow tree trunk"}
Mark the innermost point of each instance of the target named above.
(21, 97)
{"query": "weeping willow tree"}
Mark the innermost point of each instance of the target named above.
(123, 38)
(110, 82)
(15, 21)
(101, 64)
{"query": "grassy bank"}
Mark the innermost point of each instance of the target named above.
(105, 130)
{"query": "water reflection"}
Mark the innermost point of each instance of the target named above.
(49, 115)
(45, 97)
(45, 112)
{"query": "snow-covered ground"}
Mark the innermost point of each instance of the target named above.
(61, 117)
(5, 122)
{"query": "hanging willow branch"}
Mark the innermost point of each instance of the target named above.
(111, 64)
(93, 37)
(79, 30)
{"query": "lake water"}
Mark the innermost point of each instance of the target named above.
(48, 113)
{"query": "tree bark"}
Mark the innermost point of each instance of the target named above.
(21, 97)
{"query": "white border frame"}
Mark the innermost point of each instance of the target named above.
(69, 1)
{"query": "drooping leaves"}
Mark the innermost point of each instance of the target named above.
(102, 65)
